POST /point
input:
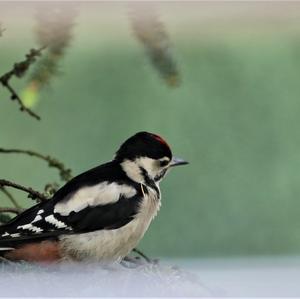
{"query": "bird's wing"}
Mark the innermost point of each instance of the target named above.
(76, 208)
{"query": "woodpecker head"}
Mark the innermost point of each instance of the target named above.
(146, 156)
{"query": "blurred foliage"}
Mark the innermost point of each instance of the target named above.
(151, 32)
(1, 30)
(54, 30)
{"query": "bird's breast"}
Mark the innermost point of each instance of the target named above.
(114, 244)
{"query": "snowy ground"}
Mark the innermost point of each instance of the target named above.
(214, 277)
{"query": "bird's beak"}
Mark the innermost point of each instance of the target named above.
(178, 161)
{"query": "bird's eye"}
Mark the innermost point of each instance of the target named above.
(164, 163)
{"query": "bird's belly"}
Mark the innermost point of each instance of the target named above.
(109, 245)
(102, 245)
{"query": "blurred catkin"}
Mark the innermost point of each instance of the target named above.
(151, 33)
(53, 29)
(1, 29)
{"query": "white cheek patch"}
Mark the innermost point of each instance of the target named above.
(167, 159)
(57, 223)
(100, 194)
(150, 165)
(133, 168)
(153, 168)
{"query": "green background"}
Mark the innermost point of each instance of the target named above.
(235, 117)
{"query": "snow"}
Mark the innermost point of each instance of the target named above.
(234, 277)
(265, 276)
(90, 280)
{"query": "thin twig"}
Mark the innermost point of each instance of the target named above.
(4, 260)
(141, 254)
(31, 193)
(19, 69)
(11, 198)
(10, 210)
(14, 96)
(65, 173)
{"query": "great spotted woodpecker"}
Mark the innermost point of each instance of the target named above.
(99, 215)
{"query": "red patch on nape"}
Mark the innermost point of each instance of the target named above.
(161, 140)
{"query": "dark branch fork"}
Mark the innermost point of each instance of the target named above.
(19, 70)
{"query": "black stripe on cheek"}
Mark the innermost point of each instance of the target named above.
(149, 182)
(161, 175)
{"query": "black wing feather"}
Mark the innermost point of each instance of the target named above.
(110, 216)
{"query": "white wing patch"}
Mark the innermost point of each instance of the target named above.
(100, 194)
(52, 220)
(16, 235)
(30, 227)
(6, 234)
(37, 218)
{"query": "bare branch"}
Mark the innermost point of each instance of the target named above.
(50, 189)
(65, 173)
(19, 71)
(10, 210)
(14, 96)
(31, 193)
(4, 260)
(141, 254)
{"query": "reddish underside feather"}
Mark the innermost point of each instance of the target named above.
(46, 251)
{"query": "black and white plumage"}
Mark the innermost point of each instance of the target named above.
(101, 214)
